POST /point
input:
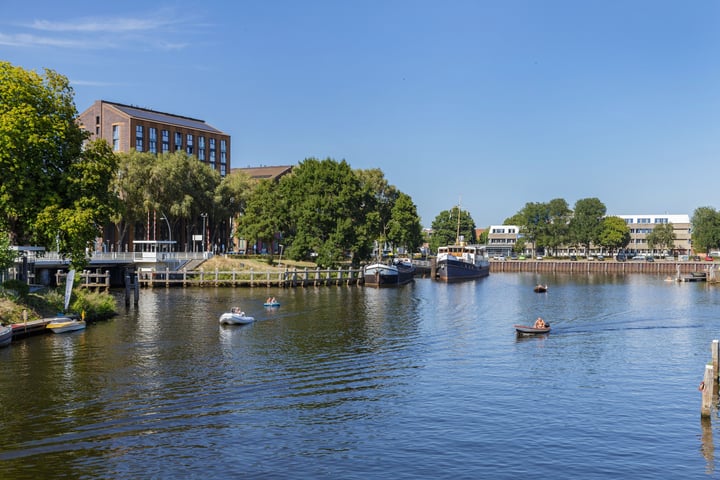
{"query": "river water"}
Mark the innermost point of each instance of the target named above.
(425, 381)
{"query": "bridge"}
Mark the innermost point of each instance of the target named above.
(40, 267)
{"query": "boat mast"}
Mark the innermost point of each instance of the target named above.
(457, 235)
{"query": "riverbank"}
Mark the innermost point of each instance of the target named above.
(668, 268)
(47, 303)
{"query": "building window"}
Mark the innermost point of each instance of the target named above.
(178, 141)
(97, 120)
(212, 151)
(222, 170)
(201, 148)
(165, 141)
(189, 144)
(661, 220)
(223, 152)
(116, 138)
(153, 139)
(139, 138)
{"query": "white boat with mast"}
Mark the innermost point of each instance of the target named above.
(63, 322)
(461, 261)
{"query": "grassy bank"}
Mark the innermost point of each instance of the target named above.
(47, 303)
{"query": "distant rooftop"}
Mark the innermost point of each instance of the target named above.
(161, 117)
(266, 172)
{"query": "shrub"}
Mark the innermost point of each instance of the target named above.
(20, 288)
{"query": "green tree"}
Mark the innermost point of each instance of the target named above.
(614, 234)
(52, 191)
(586, 223)
(231, 197)
(705, 234)
(7, 256)
(556, 232)
(326, 209)
(262, 218)
(535, 221)
(182, 188)
(404, 228)
(662, 237)
(451, 226)
(132, 186)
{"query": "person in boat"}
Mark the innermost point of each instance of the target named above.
(540, 323)
(235, 310)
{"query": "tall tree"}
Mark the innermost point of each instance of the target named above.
(45, 171)
(262, 218)
(558, 227)
(328, 206)
(614, 234)
(705, 229)
(535, 218)
(404, 226)
(451, 226)
(586, 223)
(662, 237)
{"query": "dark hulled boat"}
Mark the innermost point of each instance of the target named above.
(399, 272)
(462, 262)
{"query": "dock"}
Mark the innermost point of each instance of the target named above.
(33, 327)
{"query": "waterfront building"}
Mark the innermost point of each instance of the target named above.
(127, 127)
(641, 225)
(501, 240)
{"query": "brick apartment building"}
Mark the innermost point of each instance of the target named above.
(127, 127)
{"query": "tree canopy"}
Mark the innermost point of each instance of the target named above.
(54, 190)
(325, 210)
(706, 229)
(586, 223)
(614, 233)
(451, 226)
(662, 237)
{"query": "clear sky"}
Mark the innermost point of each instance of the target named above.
(492, 104)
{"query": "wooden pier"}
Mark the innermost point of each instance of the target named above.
(33, 327)
(250, 278)
(97, 280)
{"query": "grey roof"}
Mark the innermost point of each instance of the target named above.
(168, 118)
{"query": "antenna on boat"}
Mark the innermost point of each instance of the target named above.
(457, 235)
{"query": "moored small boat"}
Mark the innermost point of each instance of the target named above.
(5, 335)
(65, 324)
(399, 272)
(528, 330)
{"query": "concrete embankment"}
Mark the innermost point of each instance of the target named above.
(565, 266)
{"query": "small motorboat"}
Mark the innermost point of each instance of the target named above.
(5, 335)
(235, 317)
(65, 324)
(540, 288)
(528, 330)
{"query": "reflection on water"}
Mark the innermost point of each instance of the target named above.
(373, 383)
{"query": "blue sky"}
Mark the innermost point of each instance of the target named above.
(492, 104)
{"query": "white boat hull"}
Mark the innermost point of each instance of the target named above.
(65, 324)
(231, 318)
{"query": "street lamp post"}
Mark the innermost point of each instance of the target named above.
(169, 230)
(204, 216)
(282, 247)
